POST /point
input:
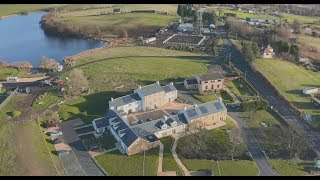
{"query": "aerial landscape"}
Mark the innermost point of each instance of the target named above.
(159, 89)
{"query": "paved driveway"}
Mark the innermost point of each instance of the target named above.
(83, 157)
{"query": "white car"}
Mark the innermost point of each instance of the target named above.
(55, 133)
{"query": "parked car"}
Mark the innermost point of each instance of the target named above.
(57, 141)
(63, 152)
(55, 133)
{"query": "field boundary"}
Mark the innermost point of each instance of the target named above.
(8, 98)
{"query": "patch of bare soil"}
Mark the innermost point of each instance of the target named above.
(27, 156)
(141, 30)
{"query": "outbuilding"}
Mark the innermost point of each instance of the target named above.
(310, 90)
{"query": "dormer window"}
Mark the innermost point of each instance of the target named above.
(164, 126)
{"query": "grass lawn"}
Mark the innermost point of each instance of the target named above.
(107, 141)
(292, 167)
(48, 99)
(126, 68)
(6, 72)
(116, 164)
(168, 163)
(240, 87)
(212, 97)
(290, 79)
(9, 9)
(206, 98)
(87, 108)
(310, 40)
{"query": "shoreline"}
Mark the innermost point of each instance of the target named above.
(8, 16)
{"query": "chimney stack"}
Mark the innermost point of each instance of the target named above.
(220, 99)
(139, 87)
(165, 117)
(112, 99)
(158, 82)
(196, 105)
(171, 83)
(185, 108)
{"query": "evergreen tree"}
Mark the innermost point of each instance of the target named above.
(247, 51)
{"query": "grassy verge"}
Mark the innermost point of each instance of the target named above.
(240, 87)
(290, 79)
(116, 164)
(169, 164)
(310, 40)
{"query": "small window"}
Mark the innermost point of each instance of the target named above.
(219, 80)
(213, 86)
(206, 82)
(218, 86)
(206, 87)
(267, 54)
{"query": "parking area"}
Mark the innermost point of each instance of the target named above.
(79, 152)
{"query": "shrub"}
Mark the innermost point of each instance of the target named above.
(254, 105)
(15, 114)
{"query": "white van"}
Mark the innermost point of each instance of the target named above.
(12, 79)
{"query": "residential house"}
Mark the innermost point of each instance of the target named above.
(210, 82)
(128, 104)
(191, 83)
(268, 52)
(141, 136)
(145, 98)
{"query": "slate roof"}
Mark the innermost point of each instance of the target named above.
(196, 112)
(210, 76)
(101, 122)
(150, 89)
(126, 99)
(119, 124)
(169, 88)
(151, 127)
(191, 81)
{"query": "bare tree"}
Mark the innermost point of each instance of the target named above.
(47, 63)
(77, 83)
(235, 141)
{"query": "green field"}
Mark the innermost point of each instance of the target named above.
(292, 167)
(290, 79)
(168, 163)
(116, 164)
(124, 24)
(243, 15)
(310, 40)
(23, 149)
(126, 68)
(303, 19)
(6, 72)
(226, 98)
(10, 9)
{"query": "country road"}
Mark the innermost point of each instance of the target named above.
(266, 92)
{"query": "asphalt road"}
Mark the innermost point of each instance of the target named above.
(262, 162)
(264, 91)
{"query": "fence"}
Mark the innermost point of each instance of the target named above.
(8, 98)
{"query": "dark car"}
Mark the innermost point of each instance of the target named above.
(57, 141)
